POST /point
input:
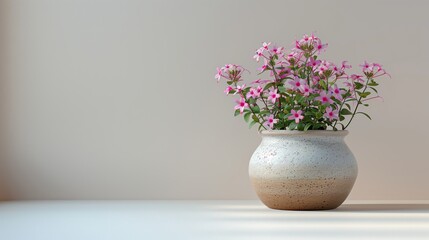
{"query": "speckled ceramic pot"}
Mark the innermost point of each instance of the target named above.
(295, 170)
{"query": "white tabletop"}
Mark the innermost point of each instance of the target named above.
(129, 220)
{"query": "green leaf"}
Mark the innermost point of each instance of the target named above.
(282, 89)
(364, 94)
(256, 109)
(338, 102)
(237, 112)
(301, 126)
(319, 126)
(345, 111)
(251, 124)
(302, 99)
(348, 106)
(365, 115)
(307, 126)
(373, 89)
(292, 125)
(255, 118)
(247, 116)
(372, 83)
(358, 85)
(268, 86)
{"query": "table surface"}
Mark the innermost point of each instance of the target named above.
(129, 220)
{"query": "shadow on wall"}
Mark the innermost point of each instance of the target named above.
(4, 171)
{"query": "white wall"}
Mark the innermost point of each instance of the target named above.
(116, 99)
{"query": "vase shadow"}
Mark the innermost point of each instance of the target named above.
(251, 207)
(415, 208)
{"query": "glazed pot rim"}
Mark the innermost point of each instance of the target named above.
(307, 133)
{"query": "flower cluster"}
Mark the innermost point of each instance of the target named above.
(301, 91)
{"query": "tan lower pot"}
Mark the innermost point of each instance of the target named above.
(295, 170)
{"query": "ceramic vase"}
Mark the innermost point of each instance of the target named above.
(297, 170)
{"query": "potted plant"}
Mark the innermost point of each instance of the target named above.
(302, 106)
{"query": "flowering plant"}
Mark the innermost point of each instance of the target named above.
(302, 91)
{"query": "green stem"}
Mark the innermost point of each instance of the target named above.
(357, 105)
(340, 108)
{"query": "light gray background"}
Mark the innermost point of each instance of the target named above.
(116, 99)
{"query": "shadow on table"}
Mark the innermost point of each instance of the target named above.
(374, 207)
(364, 221)
(424, 208)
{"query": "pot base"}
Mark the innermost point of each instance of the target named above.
(303, 194)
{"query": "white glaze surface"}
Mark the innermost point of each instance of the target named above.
(303, 155)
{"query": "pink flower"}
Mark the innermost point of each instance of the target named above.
(228, 67)
(233, 72)
(357, 78)
(218, 74)
(265, 66)
(273, 96)
(313, 37)
(314, 63)
(324, 66)
(228, 90)
(277, 51)
(366, 67)
(304, 39)
(337, 92)
(285, 72)
(331, 114)
(241, 104)
(306, 90)
(337, 70)
(324, 98)
(297, 83)
(379, 71)
(316, 80)
(297, 45)
(320, 47)
(258, 54)
(344, 65)
(253, 93)
(306, 43)
(270, 121)
(294, 56)
(377, 67)
(296, 115)
(239, 88)
(265, 45)
(259, 90)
